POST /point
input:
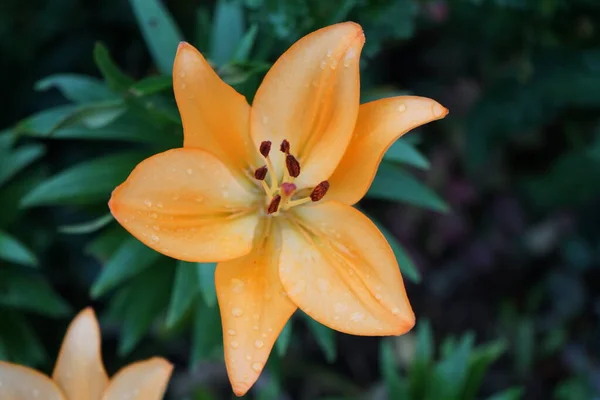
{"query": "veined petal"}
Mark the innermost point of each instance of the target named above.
(379, 124)
(339, 269)
(79, 370)
(144, 380)
(186, 204)
(254, 310)
(310, 97)
(215, 117)
(23, 383)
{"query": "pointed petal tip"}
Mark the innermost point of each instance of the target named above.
(182, 45)
(439, 110)
(240, 388)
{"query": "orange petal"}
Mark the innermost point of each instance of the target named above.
(144, 380)
(79, 370)
(254, 310)
(22, 383)
(379, 124)
(186, 204)
(339, 269)
(215, 117)
(310, 97)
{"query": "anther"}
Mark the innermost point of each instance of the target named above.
(274, 205)
(261, 173)
(265, 148)
(319, 191)
(288, 188)
(285, 147)
(293, 166)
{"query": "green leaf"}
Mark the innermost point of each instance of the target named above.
(403, 152)
(29, 292)
(12, 250)
(283, 340)
(87, 227)
(84, 183)
(395, 184)
(77, 88)
(407, 265)
(129, 260)
(207, 337)
(227, 31)
(148, 295)
(508, 394)
(114, 77)
(151, 85)
(107, 243)
(418, 372)
(480, 361)
(397, 387)
(242, 52)
(325, 338)
(20, 342)
(452, 371)
(183, 294)
(18, 159)
(160, 32)
(206, 282)
(46, 121)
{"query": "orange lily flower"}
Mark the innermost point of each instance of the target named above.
(79, 373)
(267, 191)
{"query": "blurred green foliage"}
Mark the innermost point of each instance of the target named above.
(521, 79)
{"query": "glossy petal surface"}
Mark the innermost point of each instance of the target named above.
(254, 310)
(379, 124)
(339, 269)
(79, 370)
(145, 380)
(22, 383)
(215, 117)
(186, 204)
(310, 97)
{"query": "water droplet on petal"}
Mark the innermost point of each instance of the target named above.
(237, 312)
(237, 285)
(154, 215)
(323, 285)
(248, 357)
(148, 203)
(257, 366)
(401, 108)
(154, 238)
(259, 344)
(235, 344)
(395, 311)
(323, 64)
(230, 332)
(189, 171)
(357, 316)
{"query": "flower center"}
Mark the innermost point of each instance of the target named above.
(282, 195)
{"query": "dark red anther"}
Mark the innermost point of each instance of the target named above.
(293, 166)
(288, 188)
(261, 172)
(319, 191)
(285, 147)
(274, 204)
(265, 148)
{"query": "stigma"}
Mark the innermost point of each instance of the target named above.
(281, 195)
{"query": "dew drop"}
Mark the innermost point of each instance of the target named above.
(257, 366)
(259, 344)
(235, 344)
(154, 215)
(395, 311)
(189, 171)
(378, 296)
(323, 64)
(329, 53)
(237, 312)
(154, 238)
(230, 332)
(340, 307)
(357, 316)
(159, 205)
(401, 108)
(323, 285)
(156, 228)
(248, 357)
(255, 327)
(237, 285)
(148, 203)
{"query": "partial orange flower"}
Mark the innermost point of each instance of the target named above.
(79, 373)
(267, 192)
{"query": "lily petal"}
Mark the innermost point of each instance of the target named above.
(186, 204)
(339, 269)
(379, 124)
(144, 380)
(310, 97)
(23, 383)
(79, 370)
(215, 117)
(254, 310)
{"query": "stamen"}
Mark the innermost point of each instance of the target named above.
(319, 191)
(285, 147)
(293, 166)
(265, 148)
(261, 173)
(288, 188)
(274, 205)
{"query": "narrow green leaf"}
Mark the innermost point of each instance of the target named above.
(206, 282)
(407, 265)
(18, 159)
(183, 294)
(393, 183)
(30, 292)
(84, 183)
(20, 342)
(324, 336)
(480, 360)
(419, 369)
(396, 386)
(46, 121)
(87, 227)
(160, 32)
(207, 337)
(453, 369)
(77, 88)
(114, 77)
(508, 394)
(403, 152)
(242, 52)
(151, 85)
(227, 31)
(130, 259)
(283, 340)
(12, 250)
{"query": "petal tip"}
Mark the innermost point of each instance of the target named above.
(439, 110)
(240, 388)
